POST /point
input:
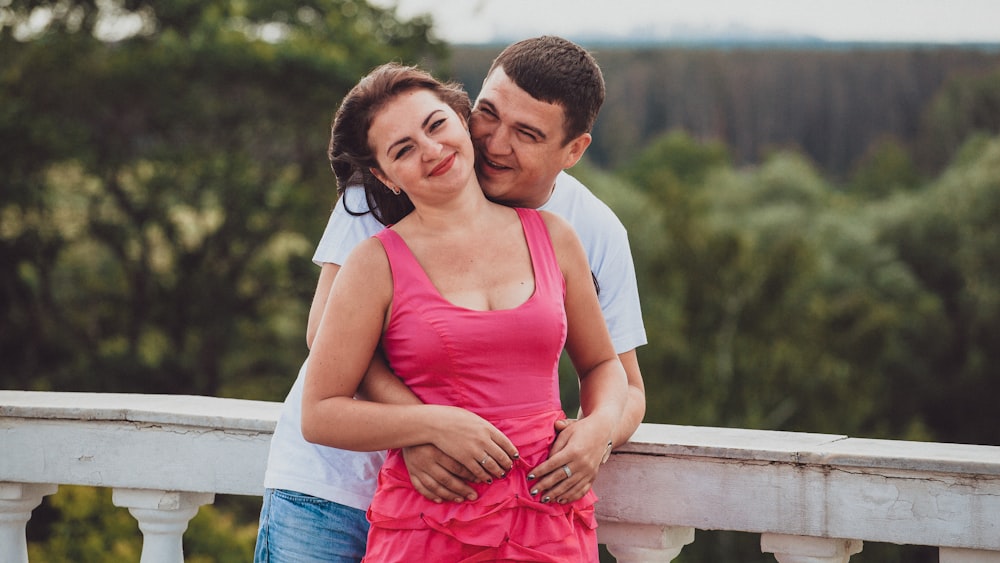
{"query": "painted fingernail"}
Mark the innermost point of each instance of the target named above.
(517, 455)
(489, 481)
(534, 492)
(502, 475)
(531, 476)
(545, 500)
(562, 501)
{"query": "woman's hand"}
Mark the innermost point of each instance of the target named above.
(473, 442)
(573, 462)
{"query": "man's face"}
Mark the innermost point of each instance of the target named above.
(519, 143)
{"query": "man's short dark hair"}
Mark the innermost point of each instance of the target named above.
(556, 70)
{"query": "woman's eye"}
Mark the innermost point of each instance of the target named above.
(435, 125)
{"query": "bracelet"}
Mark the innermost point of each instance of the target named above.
(607, 453)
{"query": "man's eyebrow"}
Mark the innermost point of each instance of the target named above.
(407, 139)
(519, 124)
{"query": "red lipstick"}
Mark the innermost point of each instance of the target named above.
(444, 166)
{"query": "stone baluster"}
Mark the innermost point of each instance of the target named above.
(644, 543)
(955, 555)
(163, 517)
(17, 501)
(805, 549)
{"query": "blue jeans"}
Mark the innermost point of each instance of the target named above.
(299, 528)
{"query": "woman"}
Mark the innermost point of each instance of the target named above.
(472, 303)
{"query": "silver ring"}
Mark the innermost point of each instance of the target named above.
(566, 470)
(484, 459)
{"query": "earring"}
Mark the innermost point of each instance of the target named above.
(395, 191)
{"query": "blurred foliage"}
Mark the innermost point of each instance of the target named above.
(887, 167)
(164, 182)
(949, 237)
(163, 192)
(965, 106)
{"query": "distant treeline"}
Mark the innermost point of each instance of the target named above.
(832, 104)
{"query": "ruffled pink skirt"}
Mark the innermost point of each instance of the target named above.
(504, 524)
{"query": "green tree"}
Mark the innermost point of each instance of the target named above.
(885, 168)
(666, 236)
(966, 105)
(675, 160)
(161, 191)
(949, 237)
(771, 301)
(164, 181)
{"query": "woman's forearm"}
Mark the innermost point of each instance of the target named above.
(604, 393)
(358, 425)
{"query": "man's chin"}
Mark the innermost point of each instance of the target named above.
(491, 189)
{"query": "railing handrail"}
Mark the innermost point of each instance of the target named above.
(651, 439)
(188, 410)
(800, 484)
(814, 449)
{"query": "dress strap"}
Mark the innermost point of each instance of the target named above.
(543, 254)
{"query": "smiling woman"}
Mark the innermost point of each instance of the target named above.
(417, 153)
(446, 292)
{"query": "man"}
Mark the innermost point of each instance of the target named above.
(531, 121)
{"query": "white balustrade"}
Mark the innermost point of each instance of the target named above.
(812, 497)
(163, 516)
(17, 500)
(801, 549)
(955, 555)
(644, 543)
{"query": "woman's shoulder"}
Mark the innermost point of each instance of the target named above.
(369, 255)
(559, 228)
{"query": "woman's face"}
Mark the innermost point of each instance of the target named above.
(421, 144)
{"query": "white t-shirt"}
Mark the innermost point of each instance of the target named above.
(349, 478)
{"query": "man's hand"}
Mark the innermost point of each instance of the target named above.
(562, 424)
(438, 476)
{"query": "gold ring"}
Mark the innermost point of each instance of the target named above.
(566, 470)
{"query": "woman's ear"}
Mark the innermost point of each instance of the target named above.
(382, 178)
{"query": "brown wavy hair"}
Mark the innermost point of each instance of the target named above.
(350, 153)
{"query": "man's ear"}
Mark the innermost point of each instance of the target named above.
(575, 151)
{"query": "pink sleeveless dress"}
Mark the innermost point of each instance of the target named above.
(503, 366)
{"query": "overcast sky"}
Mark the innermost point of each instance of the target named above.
(936, 21)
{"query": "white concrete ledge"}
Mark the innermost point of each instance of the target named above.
(667, 477)
(186, 410)
(169, 442)
(814, 449)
